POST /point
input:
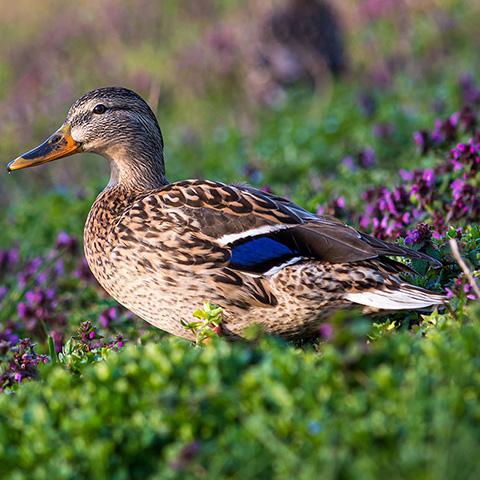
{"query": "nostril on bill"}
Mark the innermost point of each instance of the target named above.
(55, 138)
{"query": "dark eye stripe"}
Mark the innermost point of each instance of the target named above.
(119, 108)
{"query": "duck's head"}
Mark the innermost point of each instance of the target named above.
(115, 123)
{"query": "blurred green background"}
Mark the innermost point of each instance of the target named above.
(201, 65)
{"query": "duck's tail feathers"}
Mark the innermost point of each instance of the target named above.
(402, 297)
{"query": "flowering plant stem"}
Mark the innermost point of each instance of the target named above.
(456, 254)
(51, 350)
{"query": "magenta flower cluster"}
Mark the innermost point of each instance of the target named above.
(22, 361)
(429, 203)
(88, 337)
(442, 195)
(36, 297)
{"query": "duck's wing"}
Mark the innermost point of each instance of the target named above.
(329, 239)
(210, 225)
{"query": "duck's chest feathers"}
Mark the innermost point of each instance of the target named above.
(100, 233)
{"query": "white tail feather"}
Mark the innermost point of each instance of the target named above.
(406, 297)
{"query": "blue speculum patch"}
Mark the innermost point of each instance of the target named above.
(260, 254)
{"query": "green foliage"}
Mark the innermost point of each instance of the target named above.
(402, 407)
(207, 325)
(84, 348)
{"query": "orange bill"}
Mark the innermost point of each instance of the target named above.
(59, 145)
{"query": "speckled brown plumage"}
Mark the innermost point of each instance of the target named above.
(161, 249)
(172, 233)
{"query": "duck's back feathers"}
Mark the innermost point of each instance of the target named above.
(246, 229)
(331, 240)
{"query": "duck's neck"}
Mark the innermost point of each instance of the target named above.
(139, 167)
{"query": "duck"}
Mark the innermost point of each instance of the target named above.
(161, 248)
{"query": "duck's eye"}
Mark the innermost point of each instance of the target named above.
(99, 108)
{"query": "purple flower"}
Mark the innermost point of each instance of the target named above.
(8, 338)
(253, 173)
(326, 331)
(22, 364)
(422, 140)
(429, 177)
(8, 260)
(469, 292)
(22, 310)
(3, 292)
(466, 157)
(336, 207)
(364, 159)
(83, 272)
(421, 234)
(412, 237)
(320, 210)
(186, 455)
(66, 242)
(87, 333)
(58, 337)
(107, 317)
(59, 268)
(340, 202)
(367, 158)
(406, 175)
(383, 130)
(445, 131)
(461, 286)
(367, 104)
(470, 92)
(457, 187)
(39, 307)
(117, 343)
(468, 119)
(349, 163)
(390, 211)
(29, 271)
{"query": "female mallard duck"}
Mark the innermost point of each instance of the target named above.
(161, 249)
